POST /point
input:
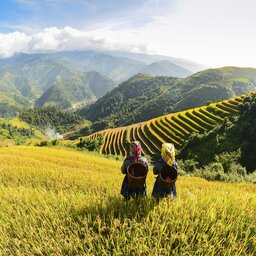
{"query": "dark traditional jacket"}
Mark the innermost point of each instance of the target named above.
(157, 190)
(126, 190)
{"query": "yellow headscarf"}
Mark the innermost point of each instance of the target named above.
(168, 152)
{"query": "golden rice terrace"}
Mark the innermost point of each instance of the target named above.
(174, 128)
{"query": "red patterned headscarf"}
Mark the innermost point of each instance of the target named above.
(136, 150)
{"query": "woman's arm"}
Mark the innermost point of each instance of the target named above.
(158, 167)
(125, 165)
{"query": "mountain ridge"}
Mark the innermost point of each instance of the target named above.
(144, 97)
(36, 73)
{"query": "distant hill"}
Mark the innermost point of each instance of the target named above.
(98, 83)
(144, 97)
(151, 58)
(120, 66)
(121, 104)
(65, 93)
(115, 68)
(68, 92)
(15, 92)
(166, 68)
(215, 84)
(24, 78)
(42, 69)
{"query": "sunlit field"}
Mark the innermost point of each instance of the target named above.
(62, 202)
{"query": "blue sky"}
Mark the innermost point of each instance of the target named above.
(213, 32)
(35, 15)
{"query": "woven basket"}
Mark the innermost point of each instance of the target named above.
(137, 174)
(168, 176)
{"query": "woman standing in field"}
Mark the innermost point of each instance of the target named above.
(167, 166)
(127, 190)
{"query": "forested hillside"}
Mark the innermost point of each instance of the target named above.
(75, 89)
(17, 90)
(144, 97)
(47, 80)
(13, 131)
(52, 78)
(122, 105)
(50, 117)
(232, 142)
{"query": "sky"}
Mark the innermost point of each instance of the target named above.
(212, 32)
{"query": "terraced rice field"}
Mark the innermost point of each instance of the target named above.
(174, 128)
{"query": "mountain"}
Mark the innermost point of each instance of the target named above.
(144, 97)
(42, 69)
(99, 84)
(75, 89)
(26, 78)
(166, 68)
(128, 97)
(215, 85)
(15, 92)
(120, 66)
(115, 68)
(151, 58)
(65, 93)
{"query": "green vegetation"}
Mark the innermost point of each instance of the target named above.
(65, 93)
(127, 103)
(144, 97)
(75, 90)
(27, 78)
(50, 117)
(7, 110)
(10, 134)
(91, 144)
(230, 145)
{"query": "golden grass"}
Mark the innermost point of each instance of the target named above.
(61, 202)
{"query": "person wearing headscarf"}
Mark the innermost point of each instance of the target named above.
(128, 191)
(166, 162)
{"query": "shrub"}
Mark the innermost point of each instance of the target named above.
(189, 165)
(236, 169)
(227, 159)
(91, 144)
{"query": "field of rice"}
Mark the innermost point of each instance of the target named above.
(61, 202)
(174, 127)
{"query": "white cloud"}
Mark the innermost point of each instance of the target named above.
(12, 43)
(54, 39)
